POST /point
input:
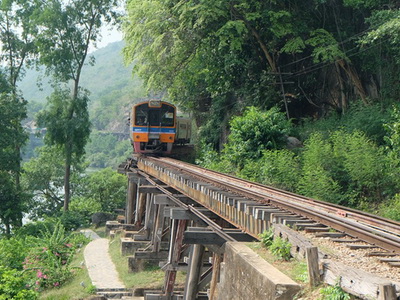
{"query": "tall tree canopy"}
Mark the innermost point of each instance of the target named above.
(67, 30)
(215, 56)
(17, 49)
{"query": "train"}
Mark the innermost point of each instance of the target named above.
(155, 127)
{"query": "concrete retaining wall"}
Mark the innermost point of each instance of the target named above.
(245, 275)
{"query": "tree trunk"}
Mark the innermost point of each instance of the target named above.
(68, 158)
(355, 79)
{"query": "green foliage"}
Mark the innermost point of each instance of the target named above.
(326, 47)
(13, 251)
(72, 220)
(255, 132)
(105, 188)
(35, 228)
(86, 207)
(48, 261)
(267, 237)
(317, 179)
(13, 285)
(278, 168)
(106, 150)
(344, 168)
(67, 122)
(43, 177)
(281, 248)
(334, 293)
(368, 119)
(391, 209)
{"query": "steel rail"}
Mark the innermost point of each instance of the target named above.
(350, 221)
(389, 225)
(216, 228)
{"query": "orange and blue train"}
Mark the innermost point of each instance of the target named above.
(155, 127)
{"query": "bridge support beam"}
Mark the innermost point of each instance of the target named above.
(194, 272)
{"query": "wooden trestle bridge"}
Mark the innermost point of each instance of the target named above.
(182, 210)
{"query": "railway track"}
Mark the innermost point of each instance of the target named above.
(377, 231)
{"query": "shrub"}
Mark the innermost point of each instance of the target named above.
(255, 132)
(48, 262)
(391, 209)
(319, 166)
(281, 248)
(13, 252)
(36, 228)
(13, 285)
(72, 220)
(334, 293)
(267, 237)
(278, 168)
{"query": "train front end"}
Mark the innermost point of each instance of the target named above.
(153, 127)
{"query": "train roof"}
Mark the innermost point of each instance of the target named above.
(159, 101)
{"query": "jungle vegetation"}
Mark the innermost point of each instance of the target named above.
(252, 73)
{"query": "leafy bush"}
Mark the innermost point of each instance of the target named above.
(281, 248)
(319, 166)
(391, 209)
(72, 220)
(13, 285)
(344, 168)
(255, 132)
(267, 237)
(105, 187)
(86, 207)
(334, 293)
(48, 262)
(367, 119)
(13, 252)
(35, 228)
(278, 168)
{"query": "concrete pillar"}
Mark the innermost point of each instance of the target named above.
(194, 272)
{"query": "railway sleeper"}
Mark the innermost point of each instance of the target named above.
(381, 253)
(316, 229)
(310, 224)
(361, 246)
(345, 240)
(331, 234)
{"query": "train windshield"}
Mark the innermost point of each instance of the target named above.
(167, 116)
(163, 116)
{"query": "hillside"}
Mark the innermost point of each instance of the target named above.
(111, 85)
(108, 73)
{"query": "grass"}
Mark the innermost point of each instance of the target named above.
(101, 231)
(150, 278)
(296, 270)
(72, 289)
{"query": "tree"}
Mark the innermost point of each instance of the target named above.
(105, 189)
(11, 134)
(67, 32)
(10, 203)
(217, 57)
(18, 45)
(44, 179)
